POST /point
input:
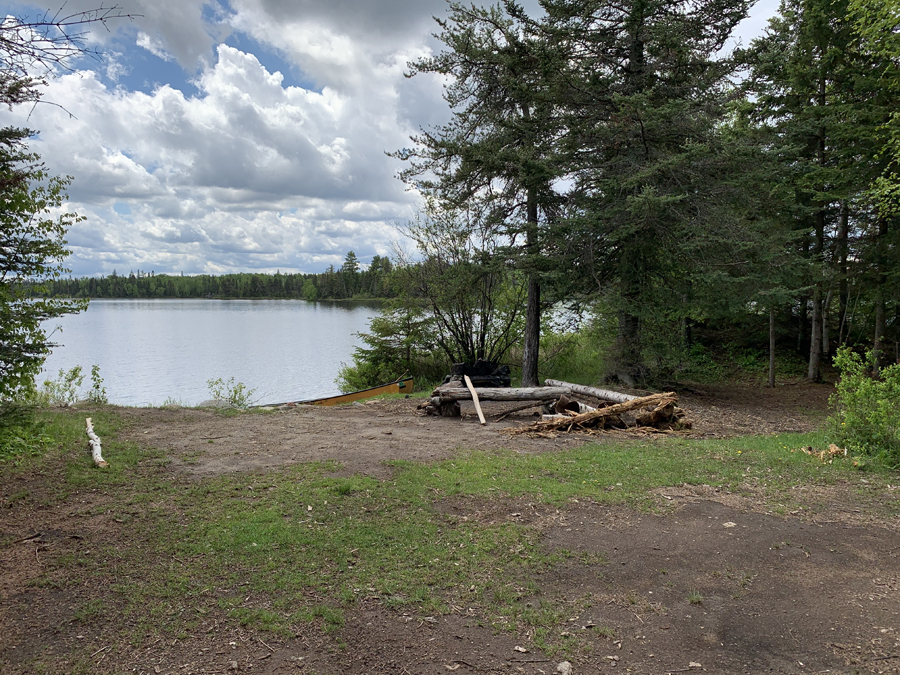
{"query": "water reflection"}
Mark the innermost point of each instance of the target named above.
(152, 350)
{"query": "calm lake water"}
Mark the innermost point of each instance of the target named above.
(151, 350)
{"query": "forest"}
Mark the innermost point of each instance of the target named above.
(346, 282)
(627, 159)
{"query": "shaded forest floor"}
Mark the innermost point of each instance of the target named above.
(367, 539)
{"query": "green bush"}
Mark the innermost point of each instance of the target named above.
(400, 342)
(63, 391)
(867, 415)
(97, 394)
(234, 393)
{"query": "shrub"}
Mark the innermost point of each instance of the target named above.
(97, 394)
(63, 391)
(234, 393)
(400, 341)
(867, 417)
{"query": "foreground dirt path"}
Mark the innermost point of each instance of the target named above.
(717, 584)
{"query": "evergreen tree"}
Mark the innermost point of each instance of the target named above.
(496, 156)
(644, 91)
(819, 91)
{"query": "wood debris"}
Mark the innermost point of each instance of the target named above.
(658, 411)
(644, 414)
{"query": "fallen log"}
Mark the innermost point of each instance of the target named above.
(659, 403)
(498, 394)
(602, 394)
(94, 443)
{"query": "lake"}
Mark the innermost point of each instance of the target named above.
(153, 350)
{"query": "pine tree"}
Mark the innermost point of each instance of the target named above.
(496, 156)
(819, 90)
(643, 90)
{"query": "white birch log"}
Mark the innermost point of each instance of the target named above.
(602, 394)
(94, 442)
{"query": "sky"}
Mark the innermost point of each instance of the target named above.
(217, 136)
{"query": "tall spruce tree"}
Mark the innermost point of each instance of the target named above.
(644, 90)
(497, 154)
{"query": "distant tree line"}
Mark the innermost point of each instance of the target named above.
(345, 282)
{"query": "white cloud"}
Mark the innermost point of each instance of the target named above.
(246, 171)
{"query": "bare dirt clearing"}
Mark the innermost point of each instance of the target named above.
(363, 437)
(714, 583)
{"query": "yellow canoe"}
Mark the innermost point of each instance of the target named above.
(398, 387)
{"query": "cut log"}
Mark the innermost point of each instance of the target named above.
(520, 408)
(565, 403)
(94, 443)
(472, 391)
(491, 394)
(602, 394)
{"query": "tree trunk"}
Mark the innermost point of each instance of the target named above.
(815, 344)
(878, 347)
(532, 337)
(601, 394)
(814, 374)
(843, 291)
(443, 394)
(772, 345)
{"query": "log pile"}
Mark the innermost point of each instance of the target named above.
(614, 410)
(658, 411)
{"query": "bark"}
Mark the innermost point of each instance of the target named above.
(815, 344)
(631, 274)
(880, 323)
(772, 345)
(658, 401)
(94, 443)
(602, 394)
(532, 336)
(814, 373)
(843, 290)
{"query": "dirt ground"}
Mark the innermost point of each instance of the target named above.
(716, 584)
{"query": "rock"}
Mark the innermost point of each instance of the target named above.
(564, 668)
(214, 403)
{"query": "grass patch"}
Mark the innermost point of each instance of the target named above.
(298, 536)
